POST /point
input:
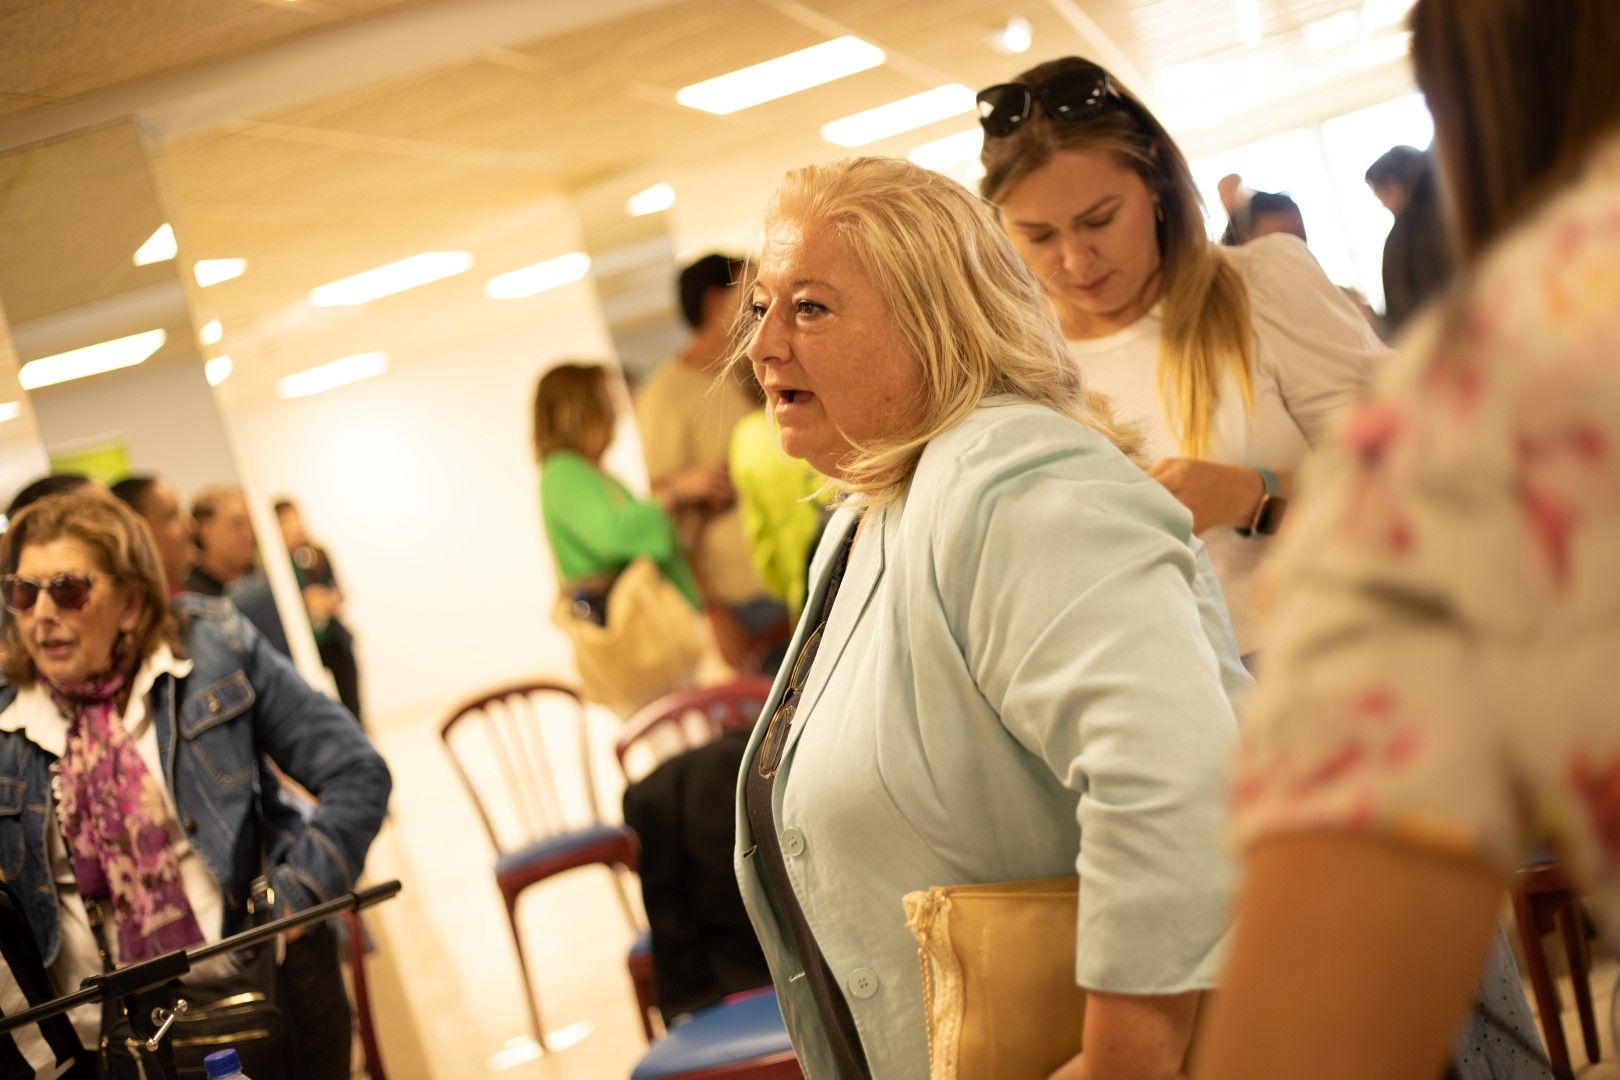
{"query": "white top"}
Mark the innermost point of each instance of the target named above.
(1314, 356)
(37, 717)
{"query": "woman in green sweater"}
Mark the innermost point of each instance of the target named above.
(594, 524)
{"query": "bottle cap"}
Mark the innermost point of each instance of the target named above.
(222, 1063)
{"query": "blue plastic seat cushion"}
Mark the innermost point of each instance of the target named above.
(556, 847)
(733, 1031)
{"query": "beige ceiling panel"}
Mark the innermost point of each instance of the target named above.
(64, 48)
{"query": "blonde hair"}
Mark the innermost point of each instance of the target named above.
(1208, 330)
(570, 408)
(970, 312)
(122, 546)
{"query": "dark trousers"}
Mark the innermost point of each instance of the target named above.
(316, 1006)
(337, 656)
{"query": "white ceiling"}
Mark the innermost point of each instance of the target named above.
(515, 149)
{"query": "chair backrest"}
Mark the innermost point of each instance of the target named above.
(504, 744)
(687, 719)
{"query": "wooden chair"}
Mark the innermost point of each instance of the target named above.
(690, 718)
(520, 797)
(355, 947)
(1544, 899)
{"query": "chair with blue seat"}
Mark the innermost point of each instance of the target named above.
(541, 820)
(741, 1038)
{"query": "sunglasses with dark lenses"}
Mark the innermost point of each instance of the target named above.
(69, 592)
(1067, 96)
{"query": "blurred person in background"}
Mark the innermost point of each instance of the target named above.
(1275, 212)
(686, 412)
(52, 484)
(1417, 254)
(1235, 197)
(156, 501)
(783, 502)
(1438, 701)
(227, 561)
(1235, 362)
(323, 602)
(154, 824)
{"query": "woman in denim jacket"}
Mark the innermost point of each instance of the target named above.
(132, 742)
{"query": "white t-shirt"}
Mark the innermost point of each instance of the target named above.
(1314, 356)
(36, 716)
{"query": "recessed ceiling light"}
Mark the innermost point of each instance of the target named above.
(213, 271)
(1379, 14)
(755, 85)
(652, 200)
(1014, 38)
(563, 270)
(318, 380)
(10, 410)
(907, 114)
(951, 150)
(91, 360)
(395, 277)
(159, 247)
(218, 369)
(211, 332)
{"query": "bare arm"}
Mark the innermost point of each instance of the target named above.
(1133, 1037)
(1353, 957)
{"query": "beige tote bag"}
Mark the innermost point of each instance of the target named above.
(650, 646)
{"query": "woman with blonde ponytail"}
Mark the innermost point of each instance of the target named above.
(1234, 363)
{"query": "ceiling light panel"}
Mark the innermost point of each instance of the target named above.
(551, 274)
(91, 360)
(897, 117)
(653, 200)
(159, 247)
(211, 333)
(218, 369)
(318, 380)
(949, 151)
(213, 271)
(395, 277)
(790, 74)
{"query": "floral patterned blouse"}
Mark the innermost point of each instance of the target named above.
(1443, 660)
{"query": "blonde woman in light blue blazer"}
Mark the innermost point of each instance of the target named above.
(1027, 668)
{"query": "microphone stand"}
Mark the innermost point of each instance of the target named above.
(143, 992)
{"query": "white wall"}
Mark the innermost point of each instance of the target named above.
(421, 484)
(165, 416)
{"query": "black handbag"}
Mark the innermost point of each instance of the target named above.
(230, 1004)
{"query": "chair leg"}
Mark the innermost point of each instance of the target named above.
(1573, 924)
(1547, 1007)
(624, 898)
(362, 997)
(523, 970)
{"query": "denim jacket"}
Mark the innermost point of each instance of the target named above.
(243, 702)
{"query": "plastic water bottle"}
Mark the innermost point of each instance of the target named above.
(223, 1065)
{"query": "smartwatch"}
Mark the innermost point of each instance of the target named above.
(1268, 514)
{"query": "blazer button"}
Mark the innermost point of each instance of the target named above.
(792, 842)
(863, 983)
(190, 825)
(213, 704)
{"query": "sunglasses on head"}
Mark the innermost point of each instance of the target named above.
(69, 592)
(1067, 97)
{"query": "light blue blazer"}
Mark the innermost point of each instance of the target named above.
(1028, 672)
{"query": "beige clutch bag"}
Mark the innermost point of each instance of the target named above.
(998, 977)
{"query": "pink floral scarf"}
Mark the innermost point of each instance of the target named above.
(115, 822)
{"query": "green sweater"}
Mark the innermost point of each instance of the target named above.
(595, 526)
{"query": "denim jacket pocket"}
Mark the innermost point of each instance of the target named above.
(13, 847)
(225, 756)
